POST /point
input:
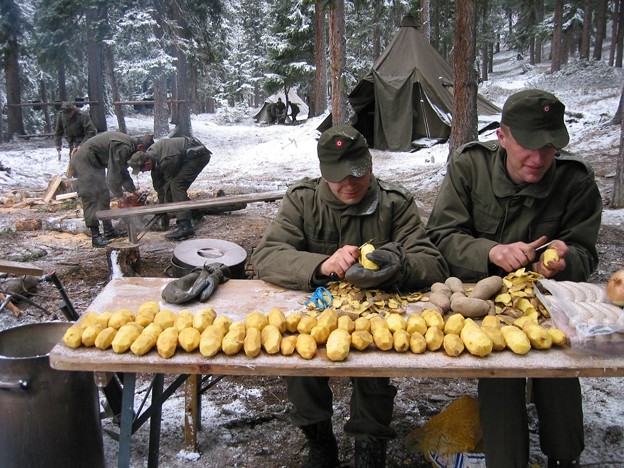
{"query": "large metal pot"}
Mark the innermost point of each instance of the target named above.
(48, 418)
(195, 253)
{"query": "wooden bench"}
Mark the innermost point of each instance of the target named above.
(236, 202)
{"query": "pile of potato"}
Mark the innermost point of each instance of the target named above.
(304, 332)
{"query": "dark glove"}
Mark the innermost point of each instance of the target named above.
(390, 258)
(186, 288)
(219, 273)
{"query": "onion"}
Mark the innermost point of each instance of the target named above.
(615, 288)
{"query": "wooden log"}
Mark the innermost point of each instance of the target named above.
(124, 259)
(12, 307)
(30, 224)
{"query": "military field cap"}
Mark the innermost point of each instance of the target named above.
(66, 106)
(535, 118)
(137, 160)
(343, 152)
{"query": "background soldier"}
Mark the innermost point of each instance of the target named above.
(175, 163)
(75, 125)
(110, 150)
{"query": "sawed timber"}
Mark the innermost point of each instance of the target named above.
(121, 213)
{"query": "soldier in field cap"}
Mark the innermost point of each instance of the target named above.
(501, 201)
(315, 239)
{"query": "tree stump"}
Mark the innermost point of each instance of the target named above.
(124, 259)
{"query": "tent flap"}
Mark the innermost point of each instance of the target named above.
(393, 120)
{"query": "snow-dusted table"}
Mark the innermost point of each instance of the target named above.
(236, 299)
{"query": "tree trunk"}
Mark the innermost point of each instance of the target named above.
(464, 124)
(337, 48)
(425, 19)
(194, 93)
(62, 81)
(183, 122)
(539, 17)
(12, 74)
(96, 16)
(43, 92)
(557, 38)
(601, 28)
(110, 64)
(586, 35)
(619, 43)
(614, 27)
(618, 185)
(319, 102)
(485, 44)
(161, 108)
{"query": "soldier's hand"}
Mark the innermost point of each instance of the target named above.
(390, 258)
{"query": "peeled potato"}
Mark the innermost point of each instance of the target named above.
(401, 341)
(434, 338)
(454, 324)
(453, 345)
(73, 336)
(396, 322)
(550, 255)
(167, 342)
(189, 338)
(256, 319)
(276, 317)
(477, 342)
(558, 337)
(361, 339)
(306, 346)
(362, 324)
(252, 342)
(418, 343)
(516, 339)
(125, 337)
(271, 339)
(233, 341)
(416, 323)
(146, 313)
(288, 345)
(346, 323)
(105, 338)
(292, 321)
(383, 338)
(165, 318)
(364, 261)
(90, 333)
(143, 344)
(338, 345)
(320, 333)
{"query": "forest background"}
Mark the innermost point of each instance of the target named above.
(192, 56)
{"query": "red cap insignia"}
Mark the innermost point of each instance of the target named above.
(339, 143)
(546, 108)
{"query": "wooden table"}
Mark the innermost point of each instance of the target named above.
(237, 298)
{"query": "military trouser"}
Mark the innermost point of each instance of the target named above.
(176, 188)
(371, 405)
(504, 421)
(92, 189)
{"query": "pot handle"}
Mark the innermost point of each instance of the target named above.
(167, 271)
(23, 384)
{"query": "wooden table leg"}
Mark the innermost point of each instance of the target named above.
(127, 415)
(155, 420)
(192, 411)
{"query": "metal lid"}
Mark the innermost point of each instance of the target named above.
(197, 252)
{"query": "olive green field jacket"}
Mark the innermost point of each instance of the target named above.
(312, 224)
(478, 207)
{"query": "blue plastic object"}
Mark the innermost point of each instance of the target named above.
(321, 298)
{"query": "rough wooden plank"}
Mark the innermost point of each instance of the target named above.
(65, 196)
(121, 213)
(52, 188)
(19, 268)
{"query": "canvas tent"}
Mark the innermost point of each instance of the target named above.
(262, 116)
(407, 95)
